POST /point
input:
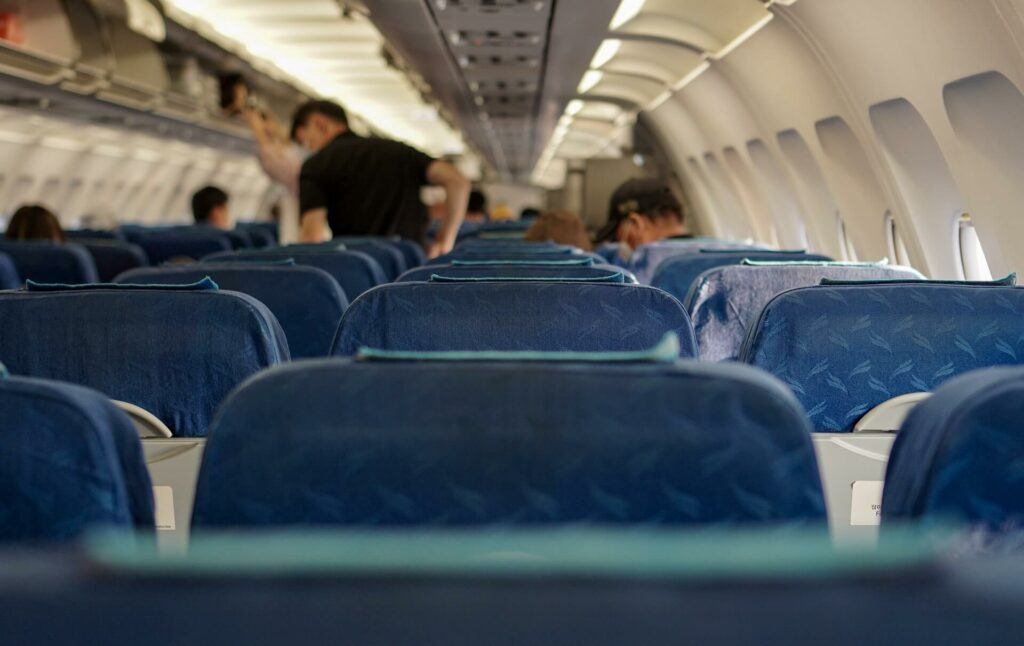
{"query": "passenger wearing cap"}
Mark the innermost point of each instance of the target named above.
(643, 211)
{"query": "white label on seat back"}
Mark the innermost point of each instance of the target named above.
(163, 499)
(866, 507)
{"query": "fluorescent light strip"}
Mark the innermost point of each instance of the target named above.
(605, 52)
(627, 10)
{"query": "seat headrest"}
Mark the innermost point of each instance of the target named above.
(382, 444)
(181, 353)
(724, 301)
(844, 349)
(72, 462)
(510, 316)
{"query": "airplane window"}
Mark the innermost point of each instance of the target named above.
(897, 247)
(972, 255)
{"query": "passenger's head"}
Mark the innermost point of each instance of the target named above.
(476, 208)
(529, 213)
(561, 227)
(34, 222)
(642, 211)
(210, 207)
(316, 123)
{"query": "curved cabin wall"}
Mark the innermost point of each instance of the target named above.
(945, 78)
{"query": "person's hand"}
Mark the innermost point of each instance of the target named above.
(435, 249)
(254, 119)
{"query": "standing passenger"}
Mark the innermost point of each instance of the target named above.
(369, 186)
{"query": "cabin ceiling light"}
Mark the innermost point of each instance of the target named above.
(574, 107)
(606, 52)
(627, 10)
(589, 80)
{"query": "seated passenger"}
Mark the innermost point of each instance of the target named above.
(34, 222)
(210, 208)
(476, 208)
(561, 227)
(642, 211)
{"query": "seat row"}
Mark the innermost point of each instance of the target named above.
(442, 441)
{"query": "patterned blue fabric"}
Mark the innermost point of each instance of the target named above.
(263, 234)
(240, 239)
(9, 278)
(568, 317)
(511, 256)
(960, 455)
(71, 460)
(535, 272)
(261, 238)
(388, 253)
(163, 246)
(724, 301)
(307, 302)
(476, 244)
(355, 271)
(94, 234)
(389, 257)
(338, 442)
(667, 351)
(174, 353)
(846, 349)
(645, 261)
(113, 257)
(51, 263)
(677, 275)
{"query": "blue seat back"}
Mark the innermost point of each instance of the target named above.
(512, 271)
(724, 301)
(9, 278)
(94, 234)
(388, 256)
(471, 254)
(677, 274)
(958, 456)
(261, 237)
(844, 349)
(306, 301)
(113, 257)
(365, 443)
(71, 461)
(51, 263)
(175, 353)
(555, 316)
(355, 271)
(161, 247)
(645, 260)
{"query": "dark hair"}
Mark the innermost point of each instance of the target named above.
(34, 222)
(329, 109)
(206, 200)
(529, 213)
(477, 202)
(228, 83)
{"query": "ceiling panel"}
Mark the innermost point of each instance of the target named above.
(503, 69)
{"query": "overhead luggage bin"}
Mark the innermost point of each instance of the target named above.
(140, 78)
(49, 46)
(183, 99)
(95, 63)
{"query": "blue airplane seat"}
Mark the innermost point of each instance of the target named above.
(355, 271)
(48, 262)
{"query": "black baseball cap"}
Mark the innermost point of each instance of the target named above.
(639, 195)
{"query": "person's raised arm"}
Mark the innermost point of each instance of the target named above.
(456, 187)
(313, 227)
(313, 208)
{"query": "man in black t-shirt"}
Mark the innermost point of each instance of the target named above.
(369, 186)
